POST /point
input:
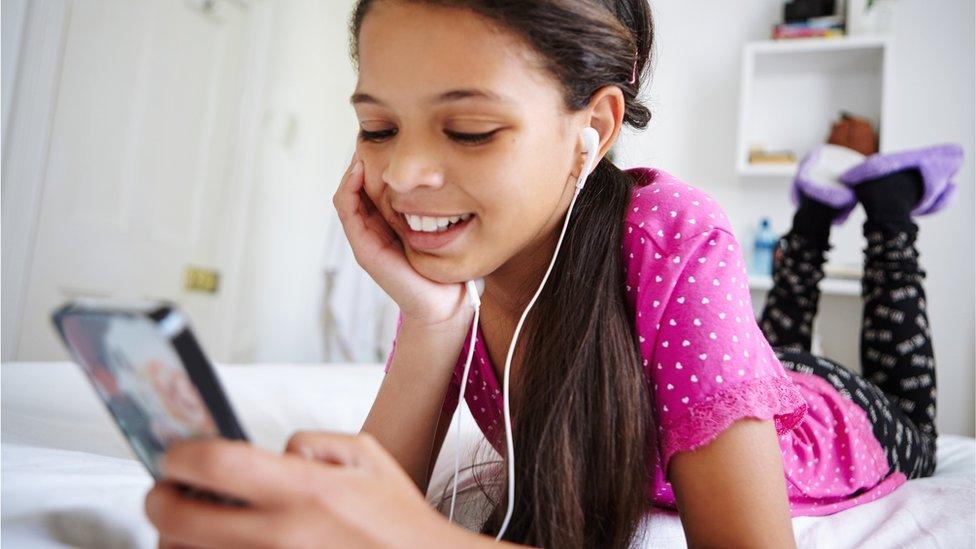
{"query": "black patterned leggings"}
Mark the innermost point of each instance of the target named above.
(897, 390)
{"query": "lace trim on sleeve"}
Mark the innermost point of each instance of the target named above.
(775, 397)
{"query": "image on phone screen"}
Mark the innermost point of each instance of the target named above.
(141, 379)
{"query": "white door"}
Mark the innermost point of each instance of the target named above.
(138, 181)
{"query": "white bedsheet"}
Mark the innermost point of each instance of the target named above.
(68, 478)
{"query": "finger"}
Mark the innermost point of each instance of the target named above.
(331, 448)
(183, 522)
(239, 470)
(355, 451)
(381, 227)
(353, 159)
(351, 207)
(347, 199)
(165, 543)
(365, 227)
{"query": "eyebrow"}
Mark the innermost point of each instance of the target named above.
(453, 95)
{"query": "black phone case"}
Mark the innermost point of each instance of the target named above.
(191, 355)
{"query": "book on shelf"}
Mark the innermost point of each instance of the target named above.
(813, 27)
(759, 156)
(786, 32)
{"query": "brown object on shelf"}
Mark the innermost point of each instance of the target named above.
(854, 133)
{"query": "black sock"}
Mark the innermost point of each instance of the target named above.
(812, 220)
(891, 197)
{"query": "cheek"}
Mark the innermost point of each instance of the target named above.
(509, 215)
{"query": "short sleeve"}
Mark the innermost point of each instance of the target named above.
(709, 362)
(389, 359)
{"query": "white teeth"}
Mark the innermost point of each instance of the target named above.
(413, 221)
(433, 224)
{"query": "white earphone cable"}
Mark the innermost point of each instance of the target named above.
(508, 366)
(476, 302)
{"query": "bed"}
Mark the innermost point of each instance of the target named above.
(68, 478)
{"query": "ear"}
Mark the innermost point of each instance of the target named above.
(606, 116)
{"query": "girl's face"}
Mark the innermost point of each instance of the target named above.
(458, 118)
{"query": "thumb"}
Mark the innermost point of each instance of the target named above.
(335, 448)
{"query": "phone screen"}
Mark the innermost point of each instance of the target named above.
(139, 375)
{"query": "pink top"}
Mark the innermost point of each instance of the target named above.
(708, 361)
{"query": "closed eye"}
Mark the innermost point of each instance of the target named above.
(464, 138)
(376, 137)
(471, 138)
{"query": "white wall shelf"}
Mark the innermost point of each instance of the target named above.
(828, 286)
(792, 90)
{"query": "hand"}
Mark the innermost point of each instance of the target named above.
(327, 490)
(380, 252)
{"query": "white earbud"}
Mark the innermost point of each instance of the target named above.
(591, 145)
(475, 288)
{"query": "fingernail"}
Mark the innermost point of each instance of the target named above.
(358, 165)
(306, 452)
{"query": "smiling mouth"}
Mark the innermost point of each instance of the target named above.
(431, 224)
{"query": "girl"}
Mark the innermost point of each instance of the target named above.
(643, 377)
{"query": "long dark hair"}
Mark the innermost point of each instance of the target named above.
(583, 427)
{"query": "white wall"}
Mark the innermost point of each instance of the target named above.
(694, 100)
(310, 79)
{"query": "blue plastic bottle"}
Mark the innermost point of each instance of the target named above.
(765, 245)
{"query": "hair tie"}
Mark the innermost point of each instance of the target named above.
(633, 70)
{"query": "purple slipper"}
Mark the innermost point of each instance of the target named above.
(937, 164)
(818, 177)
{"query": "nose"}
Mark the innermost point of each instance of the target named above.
(412, 166)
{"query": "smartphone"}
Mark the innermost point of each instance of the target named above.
(149, 370)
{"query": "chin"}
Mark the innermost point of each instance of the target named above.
(440, 269)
